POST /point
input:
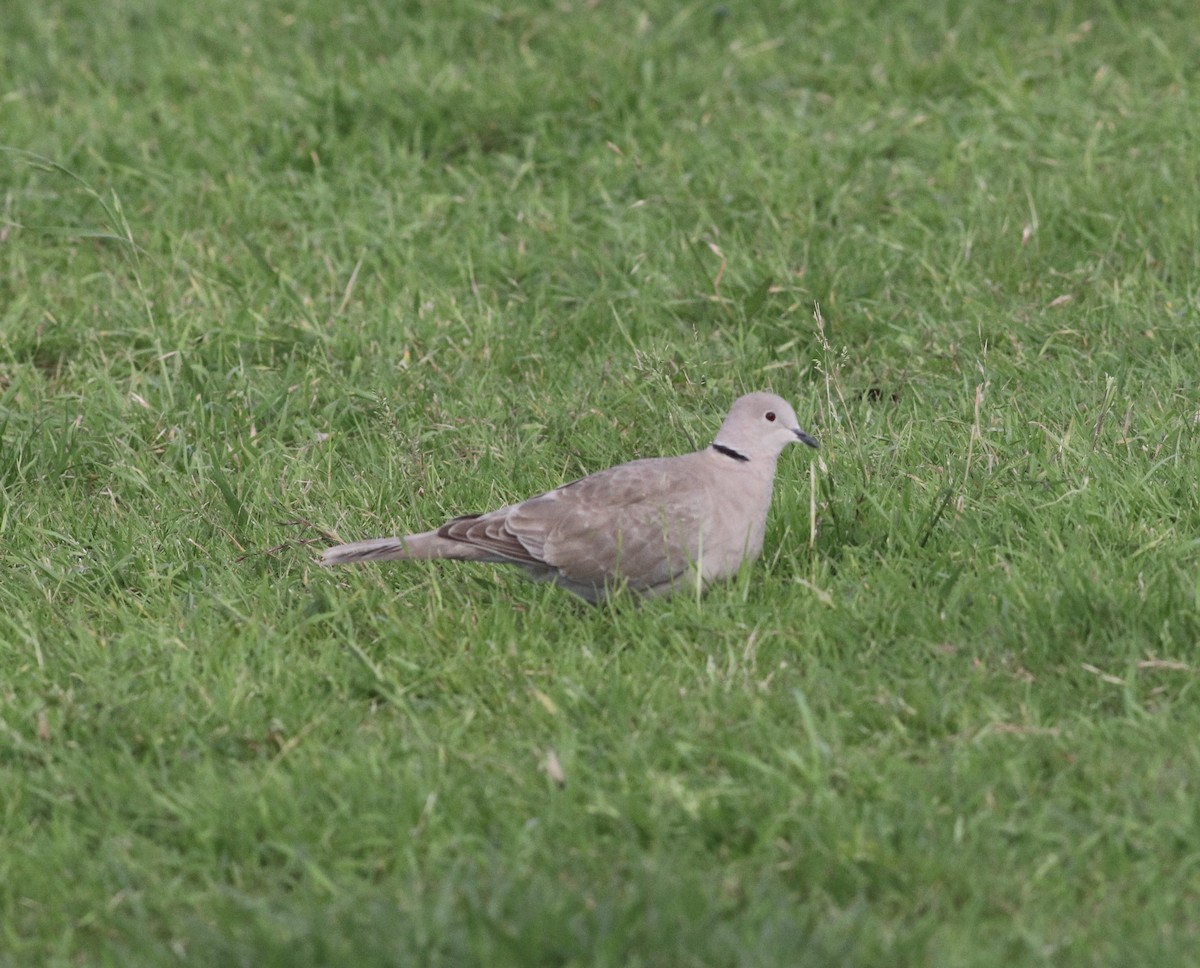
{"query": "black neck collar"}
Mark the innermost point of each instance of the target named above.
(729, 452)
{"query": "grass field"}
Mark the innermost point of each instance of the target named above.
(276, 272)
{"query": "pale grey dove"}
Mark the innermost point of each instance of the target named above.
(653, 525)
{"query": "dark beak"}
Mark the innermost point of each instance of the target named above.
(806, 439)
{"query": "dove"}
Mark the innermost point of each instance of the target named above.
(653, 526)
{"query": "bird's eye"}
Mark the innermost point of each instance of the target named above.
(770, 415)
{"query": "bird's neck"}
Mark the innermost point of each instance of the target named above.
(730, 452)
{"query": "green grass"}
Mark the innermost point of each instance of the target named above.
(270, 272)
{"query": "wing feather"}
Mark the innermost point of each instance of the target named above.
(640, 523)
(489, 533)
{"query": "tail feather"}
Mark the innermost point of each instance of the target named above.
(376, 549)
(413, 547)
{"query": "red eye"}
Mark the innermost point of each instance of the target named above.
(770, 415)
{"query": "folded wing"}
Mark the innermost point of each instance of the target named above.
(640, 523)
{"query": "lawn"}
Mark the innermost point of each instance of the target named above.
(277, 274)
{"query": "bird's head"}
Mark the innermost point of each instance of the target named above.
(759, 426)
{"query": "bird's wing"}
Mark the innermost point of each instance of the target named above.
(640, 522)
(489, 533)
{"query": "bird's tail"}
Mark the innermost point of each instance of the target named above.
(413, 547)
(376, 549)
